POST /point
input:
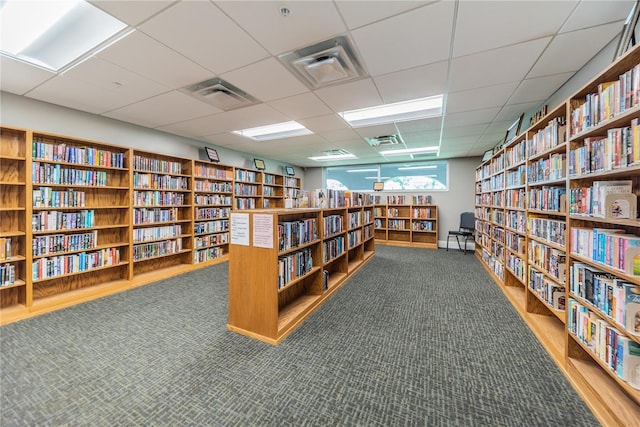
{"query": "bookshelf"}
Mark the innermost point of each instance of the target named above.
(283, 264)
(162, 203)
(247, 189)
(272, 190)
(213, 199)
(406, 221)
(579, 279)
(80, 208)
(15, 288)
(292, 189)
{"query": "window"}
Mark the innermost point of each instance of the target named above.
(418, 176)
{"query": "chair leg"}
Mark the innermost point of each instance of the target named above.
(448, 236)
(459, 245)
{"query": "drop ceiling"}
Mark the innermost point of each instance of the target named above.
(493, 60)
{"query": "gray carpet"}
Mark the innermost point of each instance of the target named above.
(417, 337)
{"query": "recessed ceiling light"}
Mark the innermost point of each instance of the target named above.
(328, 157)
(275, 131)
(362, 170)
(397, 112)
(431, 149)
(55, 34)
(406, 168)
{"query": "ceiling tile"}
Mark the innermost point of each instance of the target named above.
(266, 80)
(484, 25)
(357, 14)
(476, 99)
(158, 63)
(301, 106)
(133, 12)
(418, 82)
(539, 88)
(308, 22)
(481, 116)
(407, 40)
(480, 70)
(325, 123)
(108, 76)
(350, 96)
(591, 13)
(153, 112)
(569, 51)
(201, 32)
(19, 78)
(512, 111)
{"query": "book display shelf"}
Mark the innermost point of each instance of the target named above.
(572, 236)
(406, 221)
(213, 199)
(284, 263)
(83, 219)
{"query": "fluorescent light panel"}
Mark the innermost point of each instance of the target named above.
(431, 149)
(406, 168)
(361, 170)
(421, 108)
(333, 157)
(54, 34)
(275, 131)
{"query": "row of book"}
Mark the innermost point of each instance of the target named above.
(551, 136)
(547, 198)
(45, 268)
(515, 242)
(271, 191)
(368, 231)
(517, 266)
(157, 198)
(208, 254)
(244, 203)
(58, 243)
(148, 164)
(143, 216)
(292, 234)
(497, 216)
(397, 224)
(613, 297)
(213, 199)
(613, 248)
(45, 173)
(604, 199)
(497, 199)
(7, 274)
(204, 171)
(5, 248)
(616, 350)
(620, 148)
(213, 187)
(516, 220)
(246, 176)
(290, 181)
(210, 240)
(547, 290)
(611, 99)
(422, 225)
(355, 219)
(156, 249)
(46, 197)
(156, 233)
(212, 213)
(245, 189)
(498, 234)
(516, 177)
(496, 182)
(325, 198)
(548, 229)
(156, 181)
(270, 179)
(332, 224)
(422, 213)
(513, 155)
(547, 169)
(354, 238)
(551, 260)
(210, 226)
(56, 220)
(75, 154)
(332, 248)
(294, 265)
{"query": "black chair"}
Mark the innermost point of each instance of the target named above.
(465, 230)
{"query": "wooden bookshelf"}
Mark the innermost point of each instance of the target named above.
(272, 190)
(247, 189)
(566, 292)
(276, 277)
(213, 199)
(406, 221)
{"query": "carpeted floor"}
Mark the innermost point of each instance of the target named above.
(416, 338)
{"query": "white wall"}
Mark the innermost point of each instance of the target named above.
(26, 113)
(460, 197)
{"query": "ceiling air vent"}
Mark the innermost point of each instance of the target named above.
(220, 94)
(329, 62)
(424, 156)
(384, 140)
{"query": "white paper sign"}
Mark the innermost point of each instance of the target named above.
(263, 231)
(240, 229)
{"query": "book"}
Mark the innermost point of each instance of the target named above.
(600, 191)
(632, 309)
(628, 363)
(621, 206)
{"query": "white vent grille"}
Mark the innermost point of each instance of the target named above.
(329, 62)
(384, 140)
(220, 94)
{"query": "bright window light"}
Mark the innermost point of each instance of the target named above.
(410, 151)
(406, 168)
(362, 170)
(398, 112)
(333, 157)
(376, 178)
(54, 34)
(275, 131)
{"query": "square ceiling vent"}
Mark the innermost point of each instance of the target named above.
(326, 63)
(384, 140)
(220, 94)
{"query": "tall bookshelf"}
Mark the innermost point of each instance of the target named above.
(247, 189)
(213, 199)
(380, 220)
(162, 213)
(80, 207)
(272, 190)
(15, 264)
(284, 263)
(578, 270)
(292, 189)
